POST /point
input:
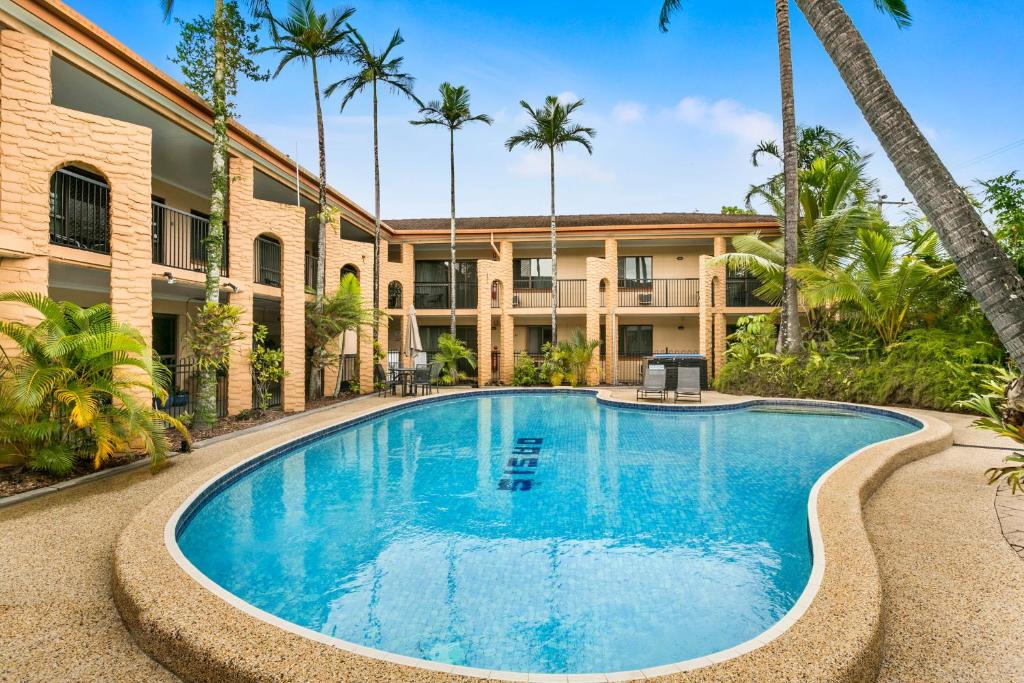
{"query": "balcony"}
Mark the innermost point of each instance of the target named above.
(434, 295)
(571, 294)
(79, 211)
(739, 292)
(663, 293)
(179, 239)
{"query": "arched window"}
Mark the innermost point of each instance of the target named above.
(267, 258)
(603, 288)
(394, 294)
(80, 210)
(348, 268)
(496, 294)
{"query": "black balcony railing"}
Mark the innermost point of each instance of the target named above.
(435, 295)
(179, 239)
(79, 211)
(571, 294)
(268, 261)
(310, 273)
(682, 292)
(739, 291)
(184, 389)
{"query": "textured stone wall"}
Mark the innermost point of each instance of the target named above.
(490, 271)
(36, 138)
(249, 218)
(601, 270)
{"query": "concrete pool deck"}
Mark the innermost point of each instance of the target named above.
(950, 598)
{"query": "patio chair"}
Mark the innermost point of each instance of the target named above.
(435, 374)
(384, 382)
(654, 383)
(421, 379)
(687, 384)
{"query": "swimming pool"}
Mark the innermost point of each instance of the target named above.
(541, 532)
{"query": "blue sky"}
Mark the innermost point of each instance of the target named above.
(677, 114)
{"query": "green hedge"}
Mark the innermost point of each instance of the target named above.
(925, 369)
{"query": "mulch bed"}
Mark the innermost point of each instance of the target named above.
(19, 480)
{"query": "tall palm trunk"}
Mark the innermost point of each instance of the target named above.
(315, 388)
(376, 214)
(554, 256)
(988, 273)
(789, 328)
(206, 401)
(451, 263)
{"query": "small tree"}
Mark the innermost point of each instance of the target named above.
(450, 352)
(267, 365)
(340, 312)
(211, 332)
(1004, 197)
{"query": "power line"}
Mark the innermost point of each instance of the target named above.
(993, 153)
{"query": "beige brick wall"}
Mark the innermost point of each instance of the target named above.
(490, 271)
(601, 270)
(36, 138)
(249, 218)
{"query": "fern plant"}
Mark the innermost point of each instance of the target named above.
(1002, 411)
(450, 352)
(78, 388)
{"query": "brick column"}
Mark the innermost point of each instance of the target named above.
(600, 269)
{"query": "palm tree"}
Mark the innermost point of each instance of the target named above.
(373, 69)
(222, 27)
(989, 274)
(307, 35)
(552, 129)
(450, 353)
(71, 391)
(452, 112)
(789, 332)
(881, 285)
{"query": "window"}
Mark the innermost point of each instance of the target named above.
(394, 253)
(531, 273)
(437, 271)
(79, 210)
(429, 334)
(636, 340)
(165, 336)
(635, 271)
(394, 294)
(349, 269)
(536, 338)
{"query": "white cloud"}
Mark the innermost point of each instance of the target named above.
(537, 164)
(628, 112)
(567, 96)
(726, 117)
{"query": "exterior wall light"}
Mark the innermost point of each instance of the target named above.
(169, 277)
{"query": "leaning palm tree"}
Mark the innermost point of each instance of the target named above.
(552, 129)
(452, 112)
(307, 35)
(373, 68)
(989, 274)
(224, 27)
(789, 332)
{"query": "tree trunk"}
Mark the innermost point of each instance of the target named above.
(315, 389)
(376, 215)
(206, 401)
(341, 366)
(989, 274)
(789, 324)
(451, 263)
(554, 257)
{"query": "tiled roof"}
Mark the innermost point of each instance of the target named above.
(584, 220)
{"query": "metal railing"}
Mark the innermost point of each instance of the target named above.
(739, 291)
(309, 275)
(267, 259)
(682, 292)
(79, 212)
(434, 295)
(571, 294)
(184, 389)
(179, 239)
(274, 391)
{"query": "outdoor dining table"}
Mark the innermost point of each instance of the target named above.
(405, 376)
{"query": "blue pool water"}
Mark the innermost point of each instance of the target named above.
(533, 532)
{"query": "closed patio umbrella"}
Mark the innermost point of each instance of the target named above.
(413, 342)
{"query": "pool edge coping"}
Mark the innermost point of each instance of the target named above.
(226, 474)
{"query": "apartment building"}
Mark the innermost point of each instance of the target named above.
(104, 197)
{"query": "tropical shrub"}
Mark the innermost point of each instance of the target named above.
(524, 374)
(335, 315)
(267, 364)
(211, 332)
(450, 352)
(553, 367)
(926, 368)
(71, 392)
(576, 354)
(1001, 407)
